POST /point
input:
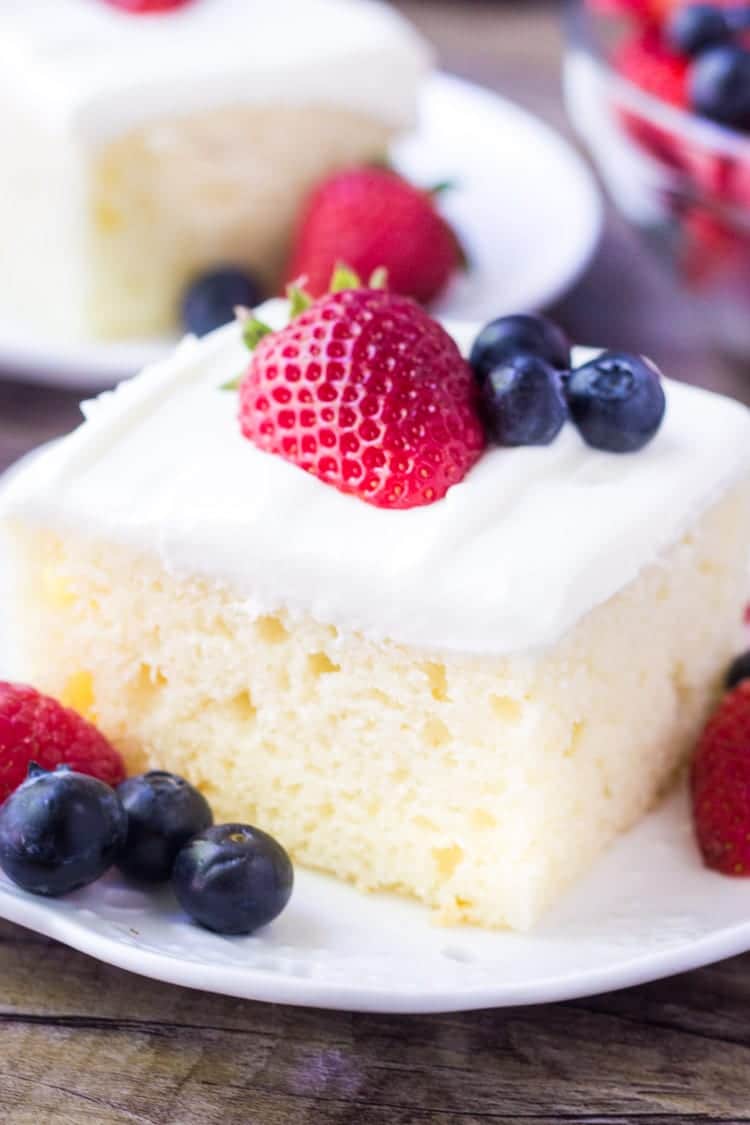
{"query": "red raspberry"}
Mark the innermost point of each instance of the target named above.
(147, 5)
(720, 783)
(36, 728)
(367, 392)
(645, 61)
(371, 218)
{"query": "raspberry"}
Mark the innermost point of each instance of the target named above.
(36, 728)
(720, 783)
(364, 390)
(646, 62)
(372, 218)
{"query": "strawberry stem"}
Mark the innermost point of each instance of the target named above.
(232, 384)
(344, 278)
(253, 331)
(379, 278)
(299, 300)
(442, 187)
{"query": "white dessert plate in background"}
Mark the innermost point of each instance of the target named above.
(525, 203)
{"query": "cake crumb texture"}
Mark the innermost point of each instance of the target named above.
(480, 785)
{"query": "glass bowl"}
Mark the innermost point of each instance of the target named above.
(683, 181)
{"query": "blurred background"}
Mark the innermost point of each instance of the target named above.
(627, 297)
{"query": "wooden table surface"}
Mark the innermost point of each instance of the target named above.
(82, 1042)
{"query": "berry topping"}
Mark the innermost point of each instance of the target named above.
(144, 6)
(211, 300)
(163, 813)
(720, 85)
(693, 28)
(233, 878)
(617, 402)
(645, 61)
(34, 727)
(523, 402)
(720, 784)
(506, 337)
(738, 671)
(365, 391)
(59, 831)
(371, 218)
(644, 11)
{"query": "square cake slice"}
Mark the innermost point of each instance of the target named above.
(463, 702)
(140, 150)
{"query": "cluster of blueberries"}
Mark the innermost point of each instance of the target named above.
(719, 79)
(61, 830)
(529, 390)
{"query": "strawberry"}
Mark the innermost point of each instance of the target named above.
(647, 62)
(720, 784)
(372, 217)
(365, 391)
(36, 728)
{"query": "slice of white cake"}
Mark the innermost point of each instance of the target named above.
(464, 702)
(140, 150)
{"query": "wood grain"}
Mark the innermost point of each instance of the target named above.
(84, 1043)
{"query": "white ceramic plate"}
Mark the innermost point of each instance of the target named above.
(648, 910)
(525, 203)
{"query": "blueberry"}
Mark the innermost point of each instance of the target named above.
(738, 671)
(719, 85)
(210, 301)
(523, 402)
(60, 831)
(692, 29)
(233, 878)
(617, 402)
(164, 811)
(508, 336)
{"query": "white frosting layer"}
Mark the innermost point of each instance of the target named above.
(513, 556)
(94, 70)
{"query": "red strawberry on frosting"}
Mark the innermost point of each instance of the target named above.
(367, 392)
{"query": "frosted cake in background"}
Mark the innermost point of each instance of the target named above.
(143, 149)
(464, 701)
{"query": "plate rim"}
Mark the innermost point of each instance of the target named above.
(255, 984)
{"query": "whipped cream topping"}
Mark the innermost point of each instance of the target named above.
(96, 71)
(508, 561)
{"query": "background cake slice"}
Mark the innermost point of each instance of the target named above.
(464, 702)
(141, 150)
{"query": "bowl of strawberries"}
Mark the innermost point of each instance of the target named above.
(659, 90)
